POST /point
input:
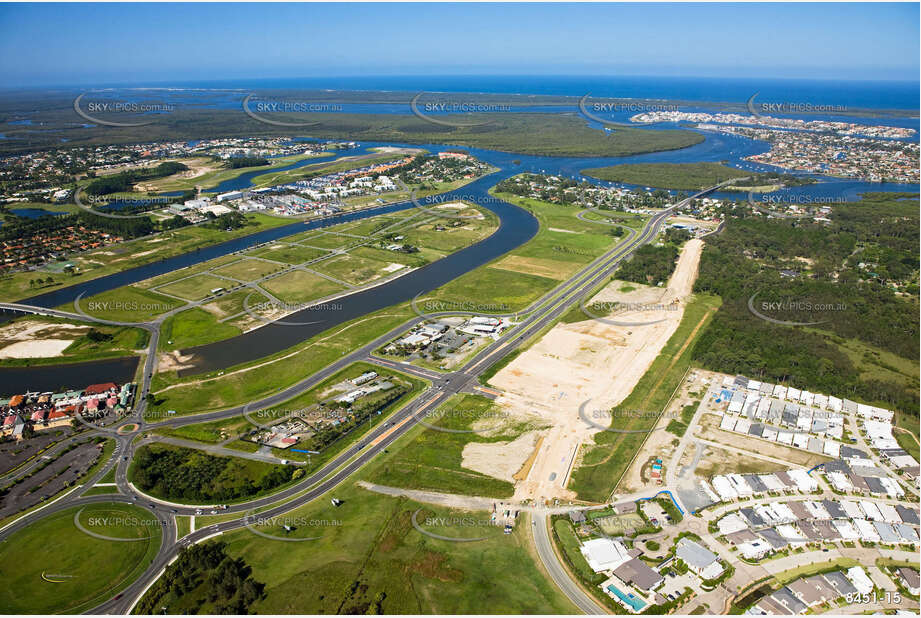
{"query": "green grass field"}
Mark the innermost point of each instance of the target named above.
(183, 526)
(227, 305)
(604, 462)
(247, 270)
(352, 269)
(299, 286)
(431, 459)
(95, 491)
(193, 327)
(126, 304)
(289, 254)
(683, 176)
(211, 432)
(525, 274)
(185, 272)
(84, 571)
(368, 552)
(212, 391)
(196, 287)
(510, 291)
(329, 240)
(123, 256)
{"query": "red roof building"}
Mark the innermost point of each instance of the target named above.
(98, 389)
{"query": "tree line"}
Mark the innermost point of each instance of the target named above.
(807, 272)
(204, 579)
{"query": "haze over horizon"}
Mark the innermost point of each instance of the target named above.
(139, 43)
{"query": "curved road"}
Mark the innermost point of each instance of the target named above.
(551, 307)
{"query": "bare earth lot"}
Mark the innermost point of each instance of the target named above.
(30, 339)
(590, 361)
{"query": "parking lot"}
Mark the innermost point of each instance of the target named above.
(654, 511)
(676, 584)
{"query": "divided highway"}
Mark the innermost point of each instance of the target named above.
(547, 310)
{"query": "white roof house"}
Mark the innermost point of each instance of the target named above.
(805, 483)
(860, 580)
(772, 482)
(768, 514)
(699, 559)
(816, 510)
(791, 534)
(780, 391)
(754, 550)
(731, 523)
(784, 512)
(870, 510)
(892, 488)
(604, 554)
(846, 529)
(834, 403)
(831, 448)
(724, 489)
(867, 530)
(908, 534)
(889, 513)
(707, 490)
(840, 482)
(852, 509)
(881, 414)
(740, 485)
(801, 440)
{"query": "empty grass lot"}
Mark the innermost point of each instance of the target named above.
(248, 269)
(232, 304)
(431, 459)
(127, 304)
(84, 571)
(194, 327)
(367, 549)
(331, 241)
(289, 254)
(299, 286)
(264, 376)
(196, 287)
(352, 268)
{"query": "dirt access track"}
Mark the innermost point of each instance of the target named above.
(592, 361)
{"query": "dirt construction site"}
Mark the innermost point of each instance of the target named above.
(599, 361)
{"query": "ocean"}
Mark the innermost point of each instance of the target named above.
(876, 95)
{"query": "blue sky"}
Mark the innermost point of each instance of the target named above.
(83, 44)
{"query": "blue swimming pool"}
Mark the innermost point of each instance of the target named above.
(630, 599)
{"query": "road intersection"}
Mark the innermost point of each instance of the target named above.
(547, 310)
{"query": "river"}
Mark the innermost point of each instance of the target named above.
(516, 227)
